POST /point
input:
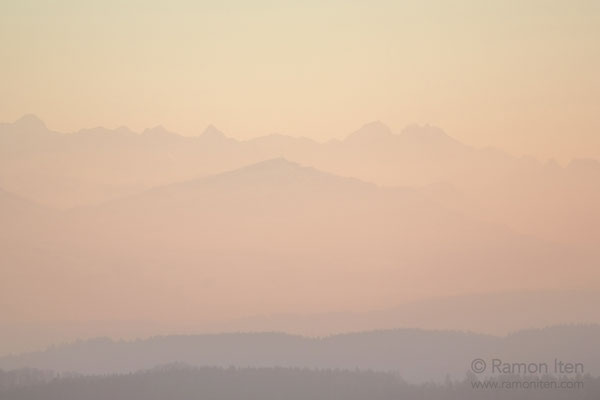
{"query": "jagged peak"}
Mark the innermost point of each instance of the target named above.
(371, 131)
(212, 131)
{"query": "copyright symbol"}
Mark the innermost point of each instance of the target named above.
(478, 366)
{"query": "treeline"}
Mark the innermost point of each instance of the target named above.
(179, 382)
(24, 377)
(416, 355)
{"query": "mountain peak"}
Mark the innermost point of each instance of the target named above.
(211, 132)
(275, 163)
(272, 170)
(31, 122)
(372, 131)
(158, 131)
(279, 172)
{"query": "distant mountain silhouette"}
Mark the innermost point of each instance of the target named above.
(490, 313)
(30, 123)
(101, 164)
(306, 240)
(416, 355)
(212, 133)
(189, 230)
(494, 313)
(370, 133)
(160, 132)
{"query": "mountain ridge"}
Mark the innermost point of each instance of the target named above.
(417, 355)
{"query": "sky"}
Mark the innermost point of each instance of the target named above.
(520, 75)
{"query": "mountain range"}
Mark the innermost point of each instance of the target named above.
(209, 231)
(92, 166)
(307, 241)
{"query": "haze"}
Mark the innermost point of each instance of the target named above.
(520, 75)
(397, 187)
(119, 233)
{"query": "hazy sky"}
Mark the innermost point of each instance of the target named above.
(519, 74)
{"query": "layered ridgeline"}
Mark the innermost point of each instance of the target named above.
(415, 355)
(274, 237)
(494, 313)
(94, 165)
(125, 234)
